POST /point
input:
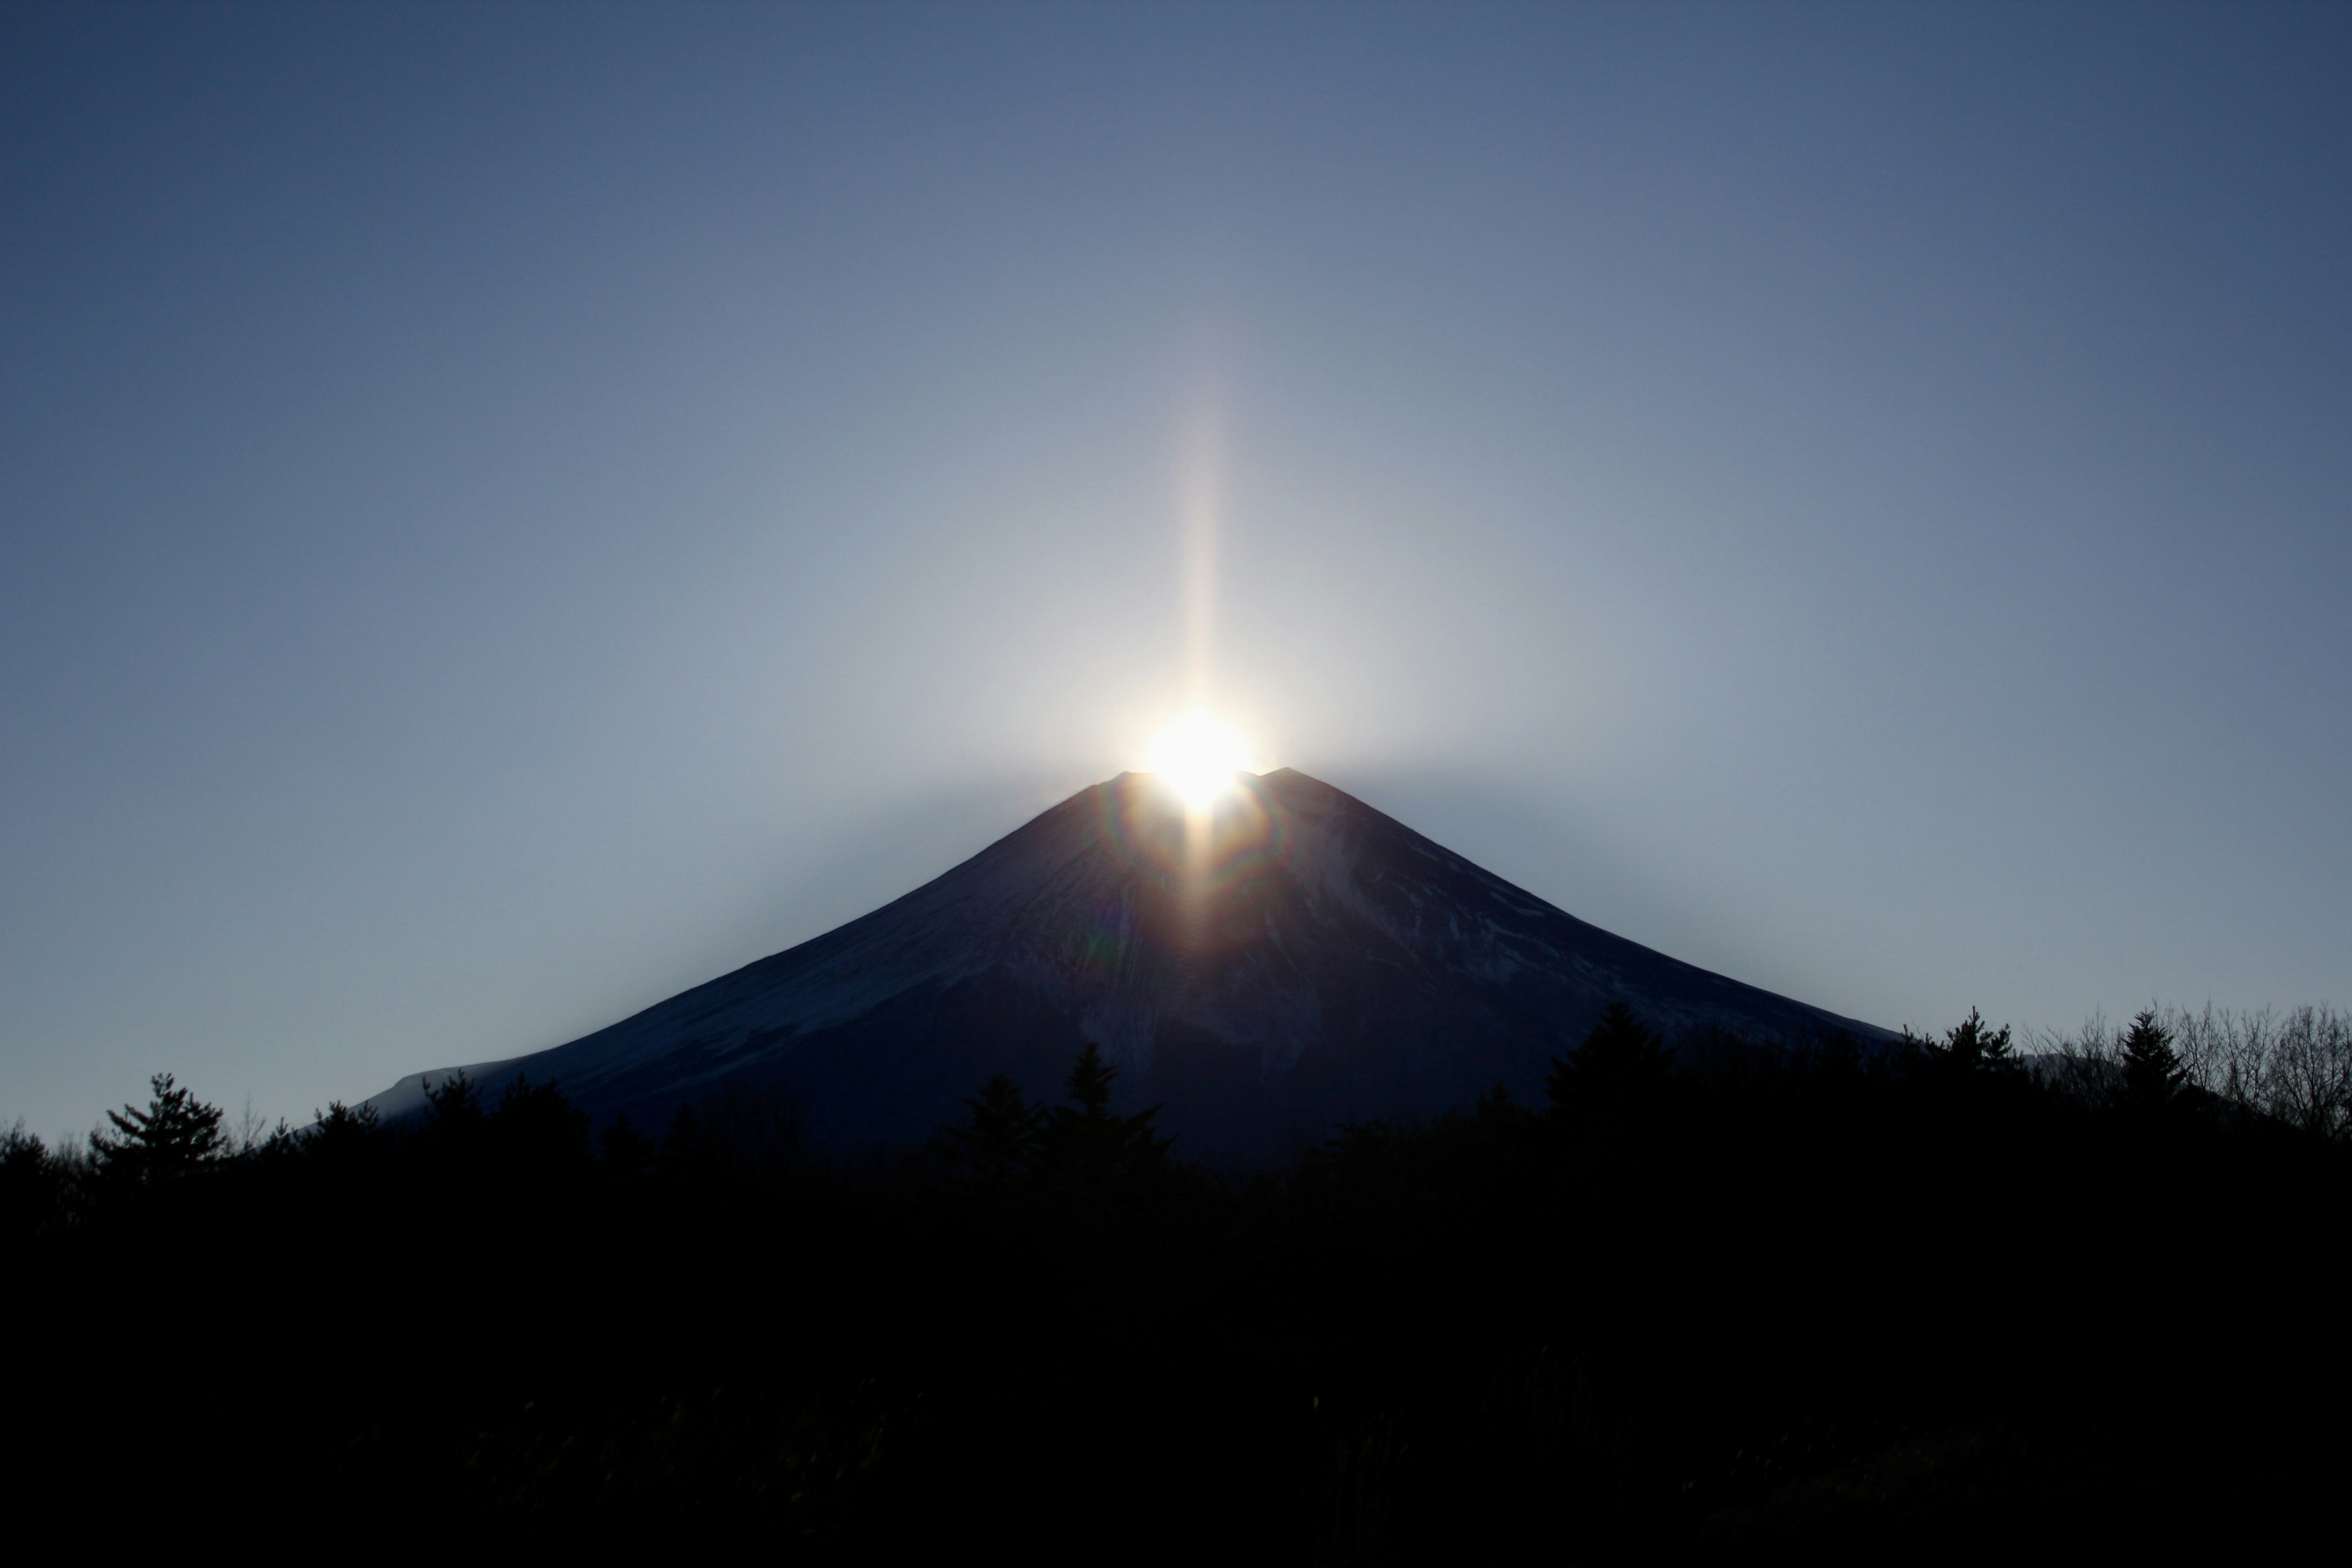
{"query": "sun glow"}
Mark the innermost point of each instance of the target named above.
(1199, 756)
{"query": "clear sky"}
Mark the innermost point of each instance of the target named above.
(508, 513)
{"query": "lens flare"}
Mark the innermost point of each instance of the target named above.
(1198, 756)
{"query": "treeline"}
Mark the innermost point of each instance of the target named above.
(2292, 1066)
(1723, 1292)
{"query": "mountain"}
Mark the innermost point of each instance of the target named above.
(1297, 959)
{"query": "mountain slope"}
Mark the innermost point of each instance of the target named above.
(1300, 960)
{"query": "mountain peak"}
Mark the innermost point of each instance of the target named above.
(1303, 960)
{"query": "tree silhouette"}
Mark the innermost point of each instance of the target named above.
(1972, 1053)
(340, 1125)
(456, 1124)
(687, 1152)
(1621, 1059)
(30, 1182)
(175, 1137)
(2153, 1071)
(1085, 1141)
(1089, 1082)
(342, 1141)
(539, 1131)
(1975, 1047)
(627, 1154)
(1002, 1140)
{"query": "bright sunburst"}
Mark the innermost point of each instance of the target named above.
(1199, 756)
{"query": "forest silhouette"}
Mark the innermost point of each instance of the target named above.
(1713, 1292)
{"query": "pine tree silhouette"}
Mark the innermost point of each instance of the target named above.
(2153, 1071)
(175, 1137)
(1002, 1140)
(1089, 1084)
(340, 1125)
(1974, 1047)
(456, 1122)
(1972, 1051)
(1621, 1059)
(1085, 1141)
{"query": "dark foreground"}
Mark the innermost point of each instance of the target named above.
(1772, 1299)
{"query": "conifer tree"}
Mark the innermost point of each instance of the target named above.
(1084, 1140)
(1622, 1058)
(536, 1129)
(175, 1137)
(457, 1121)
(341, 1139)
(340, 1125)
(1975, 1047)
(283, 1143)
(1002, 1140)
(2153, 1071)
(1089, 1084)
(685, 1151)
(1974, 1050)
(1497, 1109)
(31, 1183)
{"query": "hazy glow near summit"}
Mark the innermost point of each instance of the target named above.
(1199, 756)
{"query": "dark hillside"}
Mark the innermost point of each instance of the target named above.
(1795, 1298)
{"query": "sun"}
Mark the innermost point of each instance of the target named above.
(1199, 755)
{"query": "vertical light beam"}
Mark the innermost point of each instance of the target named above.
(1203, 462)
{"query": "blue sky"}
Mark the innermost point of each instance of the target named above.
(508, 512)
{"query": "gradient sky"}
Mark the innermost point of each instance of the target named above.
(508, 513)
